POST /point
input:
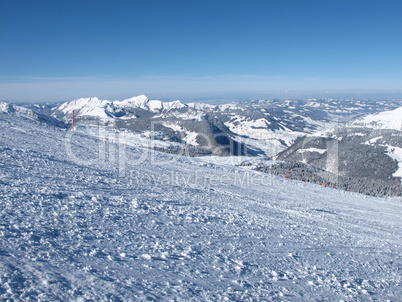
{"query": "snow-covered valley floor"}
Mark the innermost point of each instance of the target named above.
(186, 230)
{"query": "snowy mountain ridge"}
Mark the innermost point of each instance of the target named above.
(8, 108)
(104, 109)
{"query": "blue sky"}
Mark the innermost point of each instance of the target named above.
(59, 50)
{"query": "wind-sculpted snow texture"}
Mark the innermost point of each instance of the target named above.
(106, 230)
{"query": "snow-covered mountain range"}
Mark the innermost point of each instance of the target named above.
(258, 127)
(367, 133)
(104, 109)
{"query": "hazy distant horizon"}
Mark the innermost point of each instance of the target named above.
(222, 98)
(187, 88)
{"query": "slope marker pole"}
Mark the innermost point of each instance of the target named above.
(287, 174)
(73, 121)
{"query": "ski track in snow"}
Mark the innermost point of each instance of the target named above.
(81, 232)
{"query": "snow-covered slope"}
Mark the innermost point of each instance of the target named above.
(12, 108)
(21, 111)
(383, 120)
(368, 148)
(83, 219)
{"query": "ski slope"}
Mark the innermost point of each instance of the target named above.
(89, 226)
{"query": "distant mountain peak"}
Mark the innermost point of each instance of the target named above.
(136, 101)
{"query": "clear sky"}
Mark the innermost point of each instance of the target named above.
(60, 50)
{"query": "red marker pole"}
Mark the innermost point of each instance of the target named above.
(287, 174)
(73, 117)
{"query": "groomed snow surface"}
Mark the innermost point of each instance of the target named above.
(94, 227)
